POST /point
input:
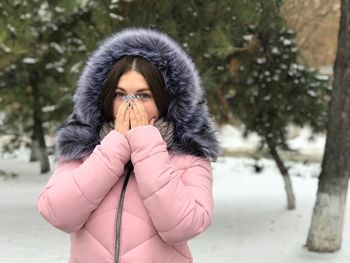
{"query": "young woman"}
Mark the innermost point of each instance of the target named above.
(133, 179)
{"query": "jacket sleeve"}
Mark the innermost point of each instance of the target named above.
(180, 208)
(76, 188)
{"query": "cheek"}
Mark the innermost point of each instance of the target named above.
(151, 109)
(116, 105)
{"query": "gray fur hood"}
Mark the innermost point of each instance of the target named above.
(195, 131)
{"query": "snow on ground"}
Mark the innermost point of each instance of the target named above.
(250, 224)
(300, 139)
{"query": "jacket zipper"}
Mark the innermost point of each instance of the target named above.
(119, 213)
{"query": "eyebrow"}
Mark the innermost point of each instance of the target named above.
(144, 89)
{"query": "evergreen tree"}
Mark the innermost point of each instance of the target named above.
(41, 47)
(272, 90)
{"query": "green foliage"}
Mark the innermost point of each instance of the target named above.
(272, 89)
(52, 40)
(40, 45)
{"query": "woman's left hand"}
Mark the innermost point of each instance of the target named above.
(138, 115)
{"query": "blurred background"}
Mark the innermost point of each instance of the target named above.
(267, 68)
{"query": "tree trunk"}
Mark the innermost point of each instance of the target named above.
(285, 175)
(38, 131)
(34, 148)
(228, 115)
(325, 233)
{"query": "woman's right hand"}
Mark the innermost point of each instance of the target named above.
(122, 120)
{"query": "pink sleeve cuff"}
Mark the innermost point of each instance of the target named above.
(114, 144)
(145, 141)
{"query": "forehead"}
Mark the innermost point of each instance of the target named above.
(132, 81)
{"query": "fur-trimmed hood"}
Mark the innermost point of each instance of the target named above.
(195, 131)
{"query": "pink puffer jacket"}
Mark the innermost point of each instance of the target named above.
(168, 200)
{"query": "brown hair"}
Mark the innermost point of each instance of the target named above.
(151, 74)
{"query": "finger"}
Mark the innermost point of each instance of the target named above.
(121, 108)
(126, 120)
(142, 112)
(125, 108)
(121, 112)
(137, 111)
(133, 120)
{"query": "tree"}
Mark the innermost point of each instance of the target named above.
(41, 48)
(325, 233)
(272, 90)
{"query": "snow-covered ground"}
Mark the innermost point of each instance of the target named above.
(251, 223)
(307, 145)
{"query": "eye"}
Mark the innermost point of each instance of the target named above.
(143, 96)
(118, 94)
